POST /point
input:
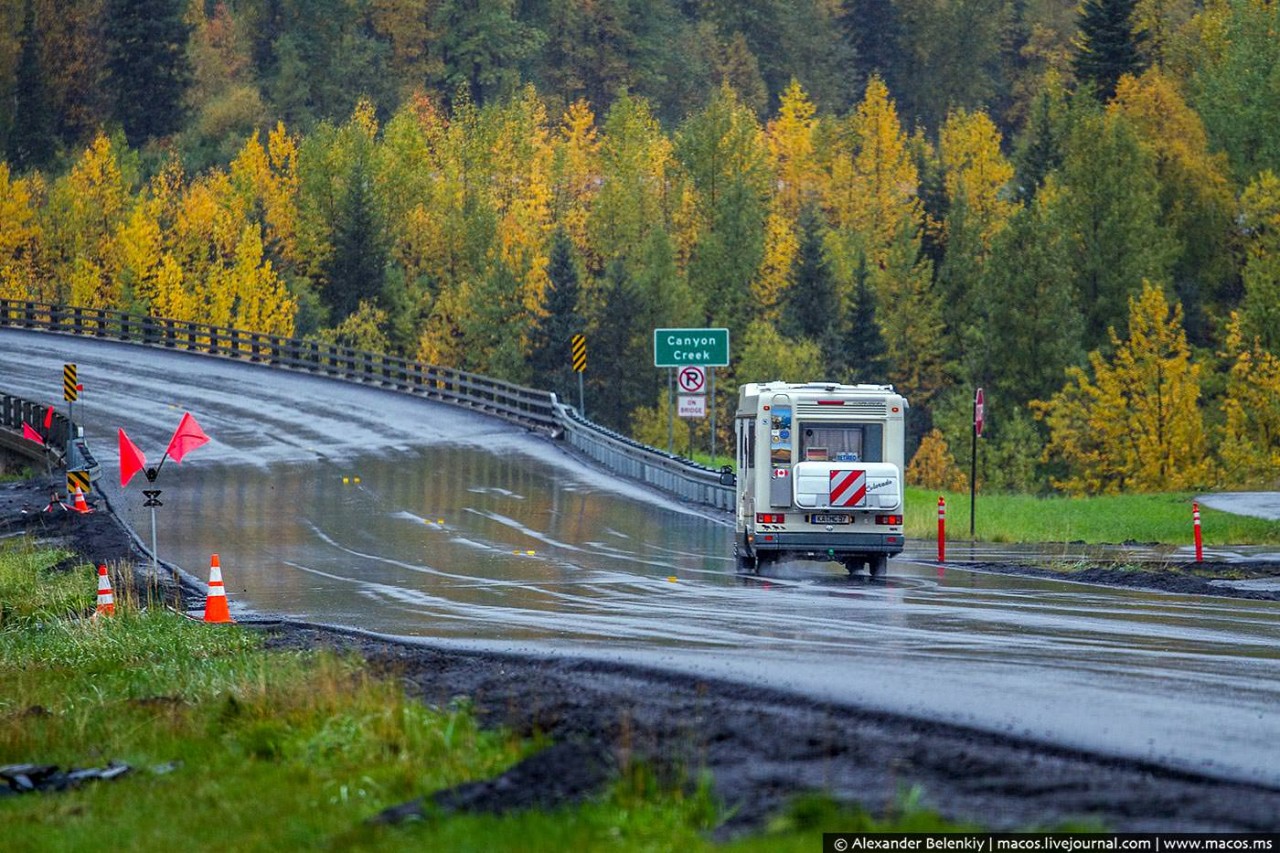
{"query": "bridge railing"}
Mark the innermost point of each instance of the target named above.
(15, 411)
(643, 463)
(527, 407)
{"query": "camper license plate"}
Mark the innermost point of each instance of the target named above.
(830, 518)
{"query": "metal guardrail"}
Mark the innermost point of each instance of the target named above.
(646, 464)
(527, 407)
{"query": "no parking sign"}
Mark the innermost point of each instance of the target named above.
(692, 379)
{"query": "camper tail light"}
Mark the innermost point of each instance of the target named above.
(770, 518)
(889, 519)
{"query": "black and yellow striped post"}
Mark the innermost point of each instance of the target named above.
(578, 346)
(70, 393)
(78, 478)
(70, 388)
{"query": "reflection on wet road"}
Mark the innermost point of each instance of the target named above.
(506, 551)
(397, 516)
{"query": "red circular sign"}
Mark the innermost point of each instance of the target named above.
(691, 379)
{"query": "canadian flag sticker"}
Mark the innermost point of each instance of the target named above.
(848, 488)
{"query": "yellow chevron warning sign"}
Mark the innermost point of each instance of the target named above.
(70, 389)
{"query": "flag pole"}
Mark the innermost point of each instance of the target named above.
(153, 501)
(155, 557)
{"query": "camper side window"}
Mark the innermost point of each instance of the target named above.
(843, 443)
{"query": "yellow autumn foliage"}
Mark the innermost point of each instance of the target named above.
(933, 466)
(20, 238)
(1135, 425)
(1250, 449)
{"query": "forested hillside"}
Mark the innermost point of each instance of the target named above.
(1075, 207)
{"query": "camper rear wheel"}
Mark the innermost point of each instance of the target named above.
(746, 562)
(879, 566)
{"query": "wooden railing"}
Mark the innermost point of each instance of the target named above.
(527, 407)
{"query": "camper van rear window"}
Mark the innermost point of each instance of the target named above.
(842, 443)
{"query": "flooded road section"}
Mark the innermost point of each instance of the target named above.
(353, 506)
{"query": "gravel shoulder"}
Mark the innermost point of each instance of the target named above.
(760, 747)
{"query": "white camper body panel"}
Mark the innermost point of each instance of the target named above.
(879, 489)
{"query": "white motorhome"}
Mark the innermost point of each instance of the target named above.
(819, 474)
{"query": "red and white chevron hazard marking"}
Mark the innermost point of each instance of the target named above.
(848, 488)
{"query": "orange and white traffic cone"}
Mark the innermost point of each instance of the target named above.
(79, 503)
(106, 600)
(215, 605)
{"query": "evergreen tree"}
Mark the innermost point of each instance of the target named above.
(1039, 148)
(874, 29)
(480, 47)
(496, 327)
(864, 349)
(147, 65)
(550, 356)
(1234, 84)
(621, 382)
(723, 150)
(954, 55)
(31, 140)
(357, 268)
(957, 282)
(1032, 329)
(1110, 204)
(812, 306)
(1107, 45)
(1259, 315)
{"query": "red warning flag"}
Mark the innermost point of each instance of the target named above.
(30, 434)
(48, 419)
(188, 437)
(131, 459)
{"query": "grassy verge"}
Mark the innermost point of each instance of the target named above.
(1161, 518)
(235, 747)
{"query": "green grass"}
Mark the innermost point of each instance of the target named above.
(236, 747)
(1160, 518)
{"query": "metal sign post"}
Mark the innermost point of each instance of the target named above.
(153, 501)
(671, 412)
(713, 417)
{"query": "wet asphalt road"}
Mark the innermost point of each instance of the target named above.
(354, 506)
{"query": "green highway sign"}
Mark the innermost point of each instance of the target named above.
(690, 347)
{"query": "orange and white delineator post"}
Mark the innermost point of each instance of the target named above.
(215, 605)
(1195, 515)
(942, 529)
(106, 599)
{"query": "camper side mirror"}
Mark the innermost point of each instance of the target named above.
(727, 477)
